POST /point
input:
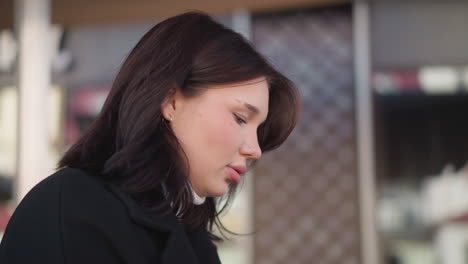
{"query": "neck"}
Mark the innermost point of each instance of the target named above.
(197, 200)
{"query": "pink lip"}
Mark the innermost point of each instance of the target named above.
(240, 169)
(235, 172)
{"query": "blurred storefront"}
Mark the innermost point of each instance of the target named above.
(420, 59)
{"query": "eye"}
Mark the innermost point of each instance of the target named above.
(239, 119)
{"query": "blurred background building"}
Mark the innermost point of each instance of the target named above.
(375, 170)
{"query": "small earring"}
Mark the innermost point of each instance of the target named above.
(169, 119)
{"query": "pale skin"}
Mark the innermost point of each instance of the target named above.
(218, 131)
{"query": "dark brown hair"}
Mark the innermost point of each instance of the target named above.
(131, 146)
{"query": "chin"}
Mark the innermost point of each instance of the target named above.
(219, 192)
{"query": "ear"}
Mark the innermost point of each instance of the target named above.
(169, 106)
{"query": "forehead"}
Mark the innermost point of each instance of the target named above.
(251, 93)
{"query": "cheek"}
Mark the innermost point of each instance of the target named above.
(222, 132)
(209, 138)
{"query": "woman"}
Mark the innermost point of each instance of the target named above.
(191, 107)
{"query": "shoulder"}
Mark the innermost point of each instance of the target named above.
(85, 196)
(64, 185)
(37, 223)
(69, 178)
(68, 193)
(73, 215)
(46, 195)
(76, 184)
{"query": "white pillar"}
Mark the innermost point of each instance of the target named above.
(365, 135)
(34, 74)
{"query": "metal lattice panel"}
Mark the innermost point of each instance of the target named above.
(306, 200)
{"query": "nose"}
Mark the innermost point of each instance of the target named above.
(251, 148)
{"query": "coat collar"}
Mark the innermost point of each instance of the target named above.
(193, 247)
(165, 223)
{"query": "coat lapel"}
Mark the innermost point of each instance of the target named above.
(203, 246)
(178, 247)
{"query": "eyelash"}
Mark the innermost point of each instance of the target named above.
(239, 119)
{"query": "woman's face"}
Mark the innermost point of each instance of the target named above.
(218, 132)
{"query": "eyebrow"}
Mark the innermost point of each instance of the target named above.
(252, 108)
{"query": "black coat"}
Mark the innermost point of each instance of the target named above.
(72, 217)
